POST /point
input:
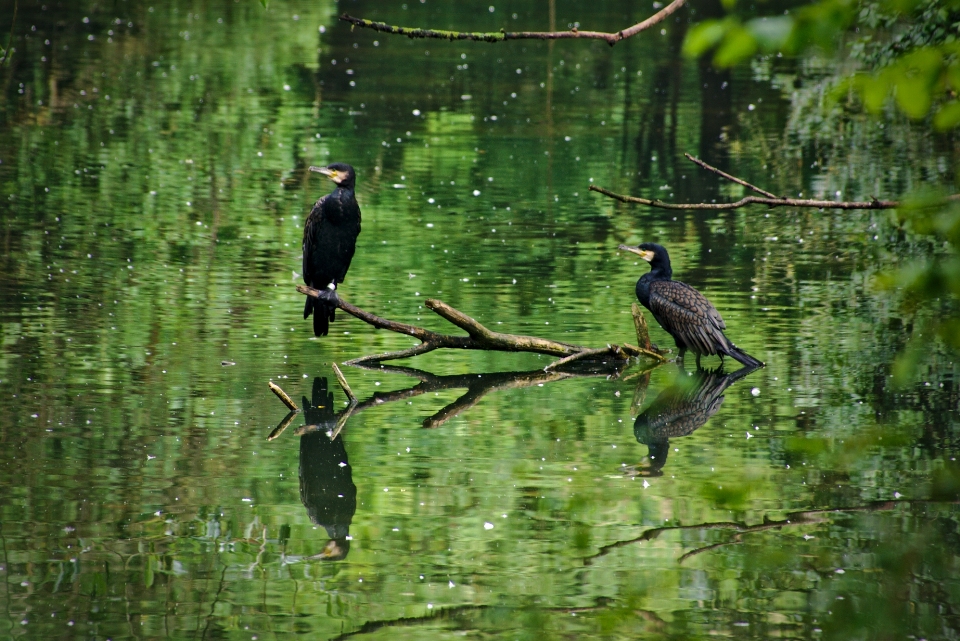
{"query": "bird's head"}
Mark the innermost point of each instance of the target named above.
(650, 252)
(654, 254)
(340, 173)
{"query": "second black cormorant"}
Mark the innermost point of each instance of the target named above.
(329, 241)
(682, 311)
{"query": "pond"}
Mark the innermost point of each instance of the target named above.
(153, 175)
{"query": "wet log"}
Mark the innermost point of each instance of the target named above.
(479, 337)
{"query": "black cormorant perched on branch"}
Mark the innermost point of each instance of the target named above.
(682, 311)
(329, 240)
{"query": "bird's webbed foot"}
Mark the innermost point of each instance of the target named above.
(329, 295)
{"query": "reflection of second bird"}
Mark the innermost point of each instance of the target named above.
(681, 409)
(682, 311)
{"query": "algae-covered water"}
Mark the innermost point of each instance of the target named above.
(153, 185)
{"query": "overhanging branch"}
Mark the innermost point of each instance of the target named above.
(500, 36)
(767, 198)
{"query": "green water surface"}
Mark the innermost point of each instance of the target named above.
(153, 188)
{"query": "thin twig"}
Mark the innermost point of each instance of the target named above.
(587, 353)
(724, 174)
(343, 384)
(500, 36)
(283, 397)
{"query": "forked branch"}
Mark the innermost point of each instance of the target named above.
(500, 36)
(479, 337)
(767, 198)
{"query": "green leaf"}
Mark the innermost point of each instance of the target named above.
(948, 116)
(771, 33)
(738, 46)
(873, 91)
(264, 3)
(704, 36)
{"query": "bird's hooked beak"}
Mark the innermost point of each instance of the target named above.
(645, 254)
(332, 174)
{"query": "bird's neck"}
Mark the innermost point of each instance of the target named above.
(643, 285)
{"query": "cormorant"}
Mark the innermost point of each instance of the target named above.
(329, 240)
(682, 311)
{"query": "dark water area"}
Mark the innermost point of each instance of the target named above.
(153, 190)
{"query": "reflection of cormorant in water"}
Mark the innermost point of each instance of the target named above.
(680, 410)
(326, 480)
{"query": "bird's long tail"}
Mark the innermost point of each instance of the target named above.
(323, 315)
(735, 352)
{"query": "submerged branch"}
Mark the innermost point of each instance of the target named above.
(805, 517)
(479, 337)
(500, 36)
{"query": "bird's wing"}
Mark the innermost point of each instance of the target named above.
(311, 237)
(687, 314)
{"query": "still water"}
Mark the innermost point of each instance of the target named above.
(153, 185)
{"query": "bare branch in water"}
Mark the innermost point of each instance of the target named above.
(283, 397)
(479, 337)
(500, 36)
(344, 385)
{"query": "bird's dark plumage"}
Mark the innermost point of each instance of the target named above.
(329, 241)
(682, 311)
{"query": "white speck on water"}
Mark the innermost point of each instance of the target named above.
(749, 435)
(807, 537)
(476, 192)
(452, 584)
(416, 112)
(487, 525)
(751, 107)
(839, 571)
(431, 201)
(897, 495)
(430, 225)
(645, 484)
(386, 489)
(466, 96)
(755, 391)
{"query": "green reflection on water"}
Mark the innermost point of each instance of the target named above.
(151, 235)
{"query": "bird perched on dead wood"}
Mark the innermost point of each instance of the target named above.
(329, 241)
(682, 311)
